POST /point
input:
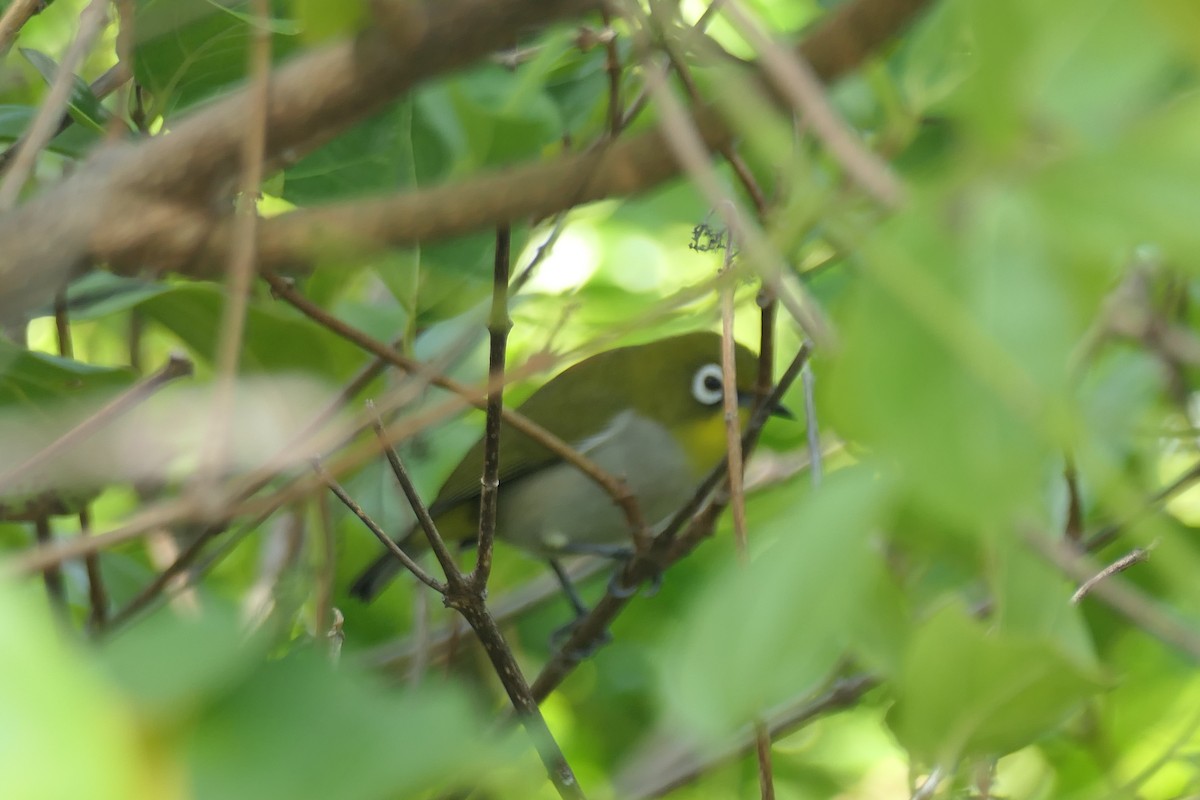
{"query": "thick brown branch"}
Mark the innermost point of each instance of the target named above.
(151, 202)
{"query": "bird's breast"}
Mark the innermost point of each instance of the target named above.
(559, 504)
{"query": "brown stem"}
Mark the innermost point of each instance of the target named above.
(499, 324)
(97, 591)
(51, 575)
(373, 527)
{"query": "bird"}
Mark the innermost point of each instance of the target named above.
(651, 414)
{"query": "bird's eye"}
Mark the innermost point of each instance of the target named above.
(706, 384)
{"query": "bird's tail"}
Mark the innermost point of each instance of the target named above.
(375, 578)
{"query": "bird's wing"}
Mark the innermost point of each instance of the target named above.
(520, 455)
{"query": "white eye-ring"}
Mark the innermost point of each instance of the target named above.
(707, 384)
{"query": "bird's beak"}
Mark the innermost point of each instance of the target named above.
(748, 399)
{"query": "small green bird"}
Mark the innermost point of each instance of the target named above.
(651, 414)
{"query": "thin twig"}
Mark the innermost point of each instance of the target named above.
(51, 575)
(762, 751)
(466, 596)
(665, 779)
(97, 591)
(690, 149)
(812, 428)
(15, 16)
(930, 784)
(1135, 556)
(243, 254)
(45, 121)
(733, 438)
(795, 78)
(395, 549)
(1073, 530)
(737, 491)
(327, 570)
(177, 366)
(424, 519)
(612, 65)
(499, 324)
(62, 325)
(1126, 600)
(1108, 533)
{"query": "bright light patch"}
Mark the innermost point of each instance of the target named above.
(573, 259)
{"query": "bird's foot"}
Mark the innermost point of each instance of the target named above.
(562, 635)
(618, 588)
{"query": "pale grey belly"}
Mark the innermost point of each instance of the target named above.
(541, 512)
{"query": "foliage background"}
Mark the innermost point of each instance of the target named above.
(1012, 379)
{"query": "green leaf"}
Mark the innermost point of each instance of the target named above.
(775, 629)
(212, 696)
(320, 20)
(101, 294)
(967, 692)
(74, 142)
(187, 51)
(33, 379)
(54, 702)
(275, 338)
(375, 156)
(83, 105)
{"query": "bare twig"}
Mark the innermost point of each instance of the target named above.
(812, 428)
(664, 779)
(327, 569)
(395, 549)
(243, 253)
(499, 324)
(1110, 532)
(1073, 529)
(466, 595)
(762, 751)
(737, 492)
(612, 64)
(1135, 556)
(930, 785)
(15, 16)
(797, 80)
(45, 121)
(1126, 600)
(51, 575)
(688, 144)
(97, 591)
(436, 543)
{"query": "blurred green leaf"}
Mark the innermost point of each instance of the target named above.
(774, 629)
(190, 50)
(54, 703)
(275, 338)
(101, 294)
(83, 105)
(32, 379)
(375, 156)
(969, 692)
(75, 141)
(320, 20)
